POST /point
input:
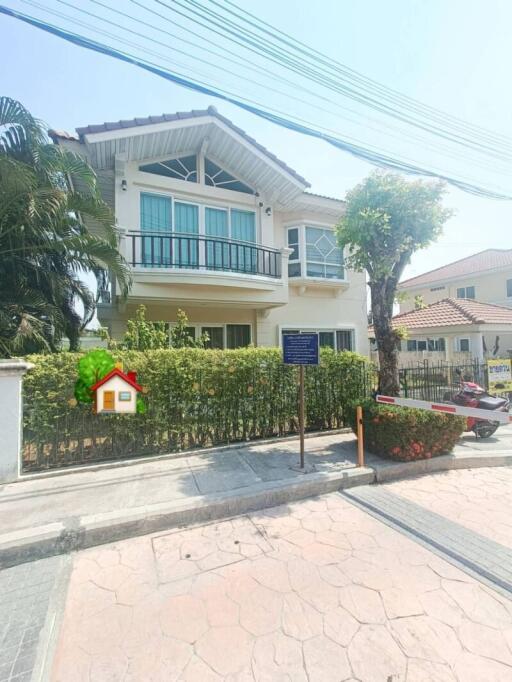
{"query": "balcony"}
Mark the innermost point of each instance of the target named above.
(205, 269)
(196, 252)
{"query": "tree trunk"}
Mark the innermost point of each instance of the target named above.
(383, 293)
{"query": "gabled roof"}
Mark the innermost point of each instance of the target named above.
(453, 312)
(490, 259)
(116, 372)
(180, 115)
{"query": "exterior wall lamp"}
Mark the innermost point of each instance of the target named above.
(124, 185)
(268, 210)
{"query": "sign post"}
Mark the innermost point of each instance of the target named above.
(301, 350)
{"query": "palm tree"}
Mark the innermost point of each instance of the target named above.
(45, 247)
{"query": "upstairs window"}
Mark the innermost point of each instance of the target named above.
(315, 253)
(466, 292)
(184, 168)
(215, 176)
(509, 287)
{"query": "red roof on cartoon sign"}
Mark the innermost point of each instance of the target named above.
(130, 378)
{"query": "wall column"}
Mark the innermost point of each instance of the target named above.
(477, 346)
(11, 417)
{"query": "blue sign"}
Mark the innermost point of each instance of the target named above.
(300, 349)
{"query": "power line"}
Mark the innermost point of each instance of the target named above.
(360, 152)
(400, 135)
(232, 32)
(293, 42)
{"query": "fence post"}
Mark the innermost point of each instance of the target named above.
(11, 417)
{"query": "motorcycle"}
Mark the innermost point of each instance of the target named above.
(471, 394)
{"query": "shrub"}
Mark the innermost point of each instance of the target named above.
(195, 398)
(406, 434)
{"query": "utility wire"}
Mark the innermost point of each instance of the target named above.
(232, 31)
(475, 161)
(145, 50)
(361, 152)
(187, 68)
(306, 50)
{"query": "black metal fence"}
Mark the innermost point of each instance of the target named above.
(197, 252)
(186, 409)
(431, 381)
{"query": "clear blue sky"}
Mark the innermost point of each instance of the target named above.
(451, 54)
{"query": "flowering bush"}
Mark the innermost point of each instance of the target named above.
(406, 434)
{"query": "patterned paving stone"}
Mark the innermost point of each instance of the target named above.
(298, 600)
(468, 549)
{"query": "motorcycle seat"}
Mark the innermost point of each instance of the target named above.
(490, 402)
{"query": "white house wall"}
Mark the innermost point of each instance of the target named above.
(217, 298)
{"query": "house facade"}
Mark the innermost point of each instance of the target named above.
(484, 276)
(213, 223)
(455, 331)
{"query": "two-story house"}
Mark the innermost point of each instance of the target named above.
(484, 276)
(212, 222)
(459, 310)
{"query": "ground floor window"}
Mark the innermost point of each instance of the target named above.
(464, 345)
(223, 335)
(337, 339)
(414, 345)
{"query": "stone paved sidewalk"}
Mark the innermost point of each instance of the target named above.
(25, 593)
(315, 591)
(478, 499)
(486, 559)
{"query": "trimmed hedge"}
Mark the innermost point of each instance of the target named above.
(195, 398)
(406, 434)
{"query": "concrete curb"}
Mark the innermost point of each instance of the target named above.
(392, 471)
(79, 533)
(96, 529)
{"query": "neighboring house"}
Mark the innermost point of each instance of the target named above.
(485, 276)
(213, 223)
(116, 392)
(454, 330)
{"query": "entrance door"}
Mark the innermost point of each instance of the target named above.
(109, 400)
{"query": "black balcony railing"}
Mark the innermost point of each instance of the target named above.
(198, 252)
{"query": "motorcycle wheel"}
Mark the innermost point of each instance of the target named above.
(485, 429)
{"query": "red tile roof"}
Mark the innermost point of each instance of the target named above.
(180, 115)
(117, 372)
(453, 312)
(490, 259)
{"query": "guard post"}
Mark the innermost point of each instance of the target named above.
(301, 350)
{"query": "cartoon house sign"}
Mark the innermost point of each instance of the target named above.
(116, 393)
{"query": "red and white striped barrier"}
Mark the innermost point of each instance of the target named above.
(492, 415)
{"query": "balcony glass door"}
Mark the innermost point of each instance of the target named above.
(186, 222)
(155, 217)
(216, 226)
(243, 228)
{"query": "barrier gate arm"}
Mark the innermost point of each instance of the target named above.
(491, 415)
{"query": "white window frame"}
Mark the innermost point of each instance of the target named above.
(200, 170)
(201, 206)
(302, 253)
(172, 157)
(304, 328)
(198, 326)
(425, 340)
(471, 286)
(463, 338)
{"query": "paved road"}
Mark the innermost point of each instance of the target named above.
(314, 591)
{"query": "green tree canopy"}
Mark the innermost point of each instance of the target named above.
(45, 247)
(387, 219)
